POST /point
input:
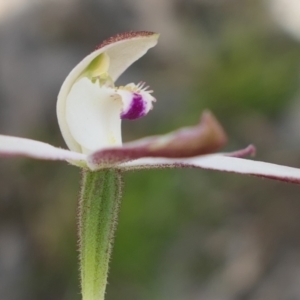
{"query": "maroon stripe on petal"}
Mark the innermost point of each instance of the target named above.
(124, 36)
(221, 163)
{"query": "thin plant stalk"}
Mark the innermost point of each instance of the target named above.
(98, 212)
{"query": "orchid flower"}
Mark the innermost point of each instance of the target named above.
(90, 108)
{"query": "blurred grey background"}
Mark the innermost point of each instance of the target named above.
(182, 234)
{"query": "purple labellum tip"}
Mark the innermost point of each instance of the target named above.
(136, 109)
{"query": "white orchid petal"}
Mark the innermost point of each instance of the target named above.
(122, 50)
(15, 146)
(220, 163)
(93, 115)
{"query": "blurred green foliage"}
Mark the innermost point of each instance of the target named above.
(250, 70)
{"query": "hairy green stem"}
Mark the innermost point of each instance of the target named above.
(98, 212)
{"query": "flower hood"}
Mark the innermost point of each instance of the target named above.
(88, 111)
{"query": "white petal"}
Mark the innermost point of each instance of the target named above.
(93, 116)
(221, 163)
(123, 50)
(15, 146)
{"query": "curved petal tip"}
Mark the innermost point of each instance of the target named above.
(126, 36)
